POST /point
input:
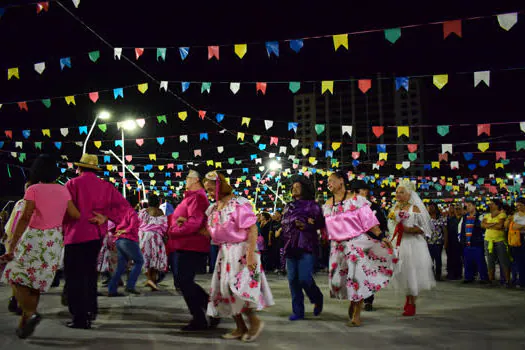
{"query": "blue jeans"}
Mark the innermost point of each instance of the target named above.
(474, 260)
(127, 250)
(214, 252)
(518, 253)
(300, 277)
(435, 254)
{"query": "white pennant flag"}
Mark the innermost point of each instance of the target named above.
(375, 166)
(64, 131)
(272, 155)
(522, 126)
(76, 3)
(40, 67)
(405, 164)
(234, 87)
(282, 150)
(164, 85)
(14, 154)
(291, 157)
(454, 165)
(79, 143)
(294, 142)
(347, 129)
(220, 149)
(117, 52)
(258, 161)
(229, 171)
(183, 138)
(18, 144)
(261, 168)
(446, 147)
(482, 76)
(268, 124)
(64, 157)
(508, 20)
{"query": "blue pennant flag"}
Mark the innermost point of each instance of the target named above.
(184, 51)
(148, 167)
(402, 82)
(262, 146)
(468, 156)
(318, 144)
(180, 167)
(472, 166)
(381, 148)
(427, 167)
(58, 144)
(292, 125)
(1, 144)
(82, 130)
(26, 133)
(245, 170)
(65, 62)
(2, 11)
(63, 170)
(167, 174)
(219, 117)
(118, 143)
(355, 162)
(329, 154)
(483, 163)
(253, 156)
(118, 92)
(272, 47)
(185, 85)
(296, 45)
(160, 140)
(106, 173)
(107, 159)
(203, 136)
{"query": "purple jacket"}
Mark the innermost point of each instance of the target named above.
(295, 240)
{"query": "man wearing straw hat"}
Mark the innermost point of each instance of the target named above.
(83, 237)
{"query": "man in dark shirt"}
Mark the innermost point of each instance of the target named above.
(362, 189)
(471, 238)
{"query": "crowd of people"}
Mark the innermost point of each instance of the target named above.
(88, 229)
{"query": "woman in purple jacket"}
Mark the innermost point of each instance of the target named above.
(302, 218)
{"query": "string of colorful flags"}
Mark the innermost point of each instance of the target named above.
(41, 6)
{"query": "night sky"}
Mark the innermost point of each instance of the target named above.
(28, 38)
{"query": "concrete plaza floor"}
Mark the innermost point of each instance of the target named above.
(453, 316)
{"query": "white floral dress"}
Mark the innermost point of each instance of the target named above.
(108, 256)
(151, 236)
(234, 287)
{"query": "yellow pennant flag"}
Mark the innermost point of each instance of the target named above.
(97, 144)
(240, 50)
(161, 167)
(483, 146)
(240, 136)
(218, 165)
(183, 115)
(336, 164)
(109, 167)
(440, 80)
(153, 182)
(153, 157)
(383, 156)
(455, 188)
(70, 100)
(312, 160)
(336, 145)
(246, 121)
(435, 165)
(46, 132)
(399, 166)
(209, 162)
(499, 165)
(327, 85)
(143, 87)
(340, 40)
(403, 130)
(248, 183)
(305, 169)
(305, 151)
(13, 72)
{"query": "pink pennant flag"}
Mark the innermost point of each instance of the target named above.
(484, 128)
(139, 142)
(412, 147)
(23, 106)
(213, 51)
(202, 114)
(120, 173)
(178, 174)
(364, 85)
(356, 155)
(129, 158)
(443, 157)
(378, 130)
(171, 166)
(261, 87)
(274, 140)
(501, 155)
(93, 96)
(138, 52)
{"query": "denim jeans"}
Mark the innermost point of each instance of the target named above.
(435, 254)
(474, 260)
(518, 253)
(300, 277)
(127, 250)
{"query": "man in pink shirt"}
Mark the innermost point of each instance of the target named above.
(189, 250)
(83, 239)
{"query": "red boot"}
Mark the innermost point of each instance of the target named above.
(406, 305)
(410, 310)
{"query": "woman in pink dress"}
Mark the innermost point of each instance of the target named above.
(153, 228)
(359, 265)
(36, 246)
(238, 284)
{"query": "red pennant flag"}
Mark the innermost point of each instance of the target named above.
(412, 147)
(274, 140)
(23, 106)
(138, 52)
(501, 155)
(178, 174)
(44, 5)
(261, 87)
(356, 155)
(450, 27)
(364, 85)
(213, 51)
(378, 130)
(139, 142)
(484, 128)
(443, 156)
(171, 166)
(202, 114)
(9, 133)
(93, 96)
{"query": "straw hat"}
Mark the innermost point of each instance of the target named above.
(89, 161)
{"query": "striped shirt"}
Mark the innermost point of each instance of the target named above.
(469, 227)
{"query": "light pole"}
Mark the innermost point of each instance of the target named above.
(128, 125)
(110, 152)
(102, 115)
(274, 165)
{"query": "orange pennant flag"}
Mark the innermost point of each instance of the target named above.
(261, 87)
(213, 51)
(450, 27)
(364, 85)
(378, 130)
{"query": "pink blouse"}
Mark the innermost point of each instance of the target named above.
(148, 223)
(231, 224)
(349, 219)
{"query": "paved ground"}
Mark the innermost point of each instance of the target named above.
(453, 316)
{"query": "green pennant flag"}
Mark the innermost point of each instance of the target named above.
(231, 160)
(393, 34)
(334, 160)
(505, 161)
(151, 175)
(161, 53)
(46, 102)
(319, 128)
(206, 86)
(412, 156)
(361, 147)
(296, 161)
(442, 130)
(243, 178)
(175, 155)
(238, 162)
(162, 118)
(38, 145)
(481, 181)
(22, 157)
(520, 145)
(438, 187)
(256, 138)
(294, 86)
(94, 56)
(448, 188)
(103, 127)
(168, 182)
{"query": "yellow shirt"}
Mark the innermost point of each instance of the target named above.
(492, 234)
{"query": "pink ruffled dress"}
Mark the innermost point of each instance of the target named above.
(151, 237)
(234, 287)
(108, 257)
(359, 265)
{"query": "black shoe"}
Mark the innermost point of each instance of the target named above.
(468, 281)
(120, 283)
(214, 322)
(369, 307)
(132, 291)
(13, 305)
(92, 316)
(29, 327)
(117, 294)
(485, 282)
(194, 327)
(79, 324)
